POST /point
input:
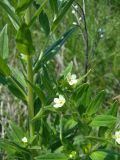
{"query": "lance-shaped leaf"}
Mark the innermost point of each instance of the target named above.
(4, 69)
(24, 40)
(19, 77)
(44, 111)
(54, 7)
(4, 43)
(11, 13)
(3, 79)
(16, 88)
(12, 148)
(113, 109)
(103, 120)
(37, 13)
(104, 155)
(62, 14)
(14, 132)
(44, 22)
(52, 156)
(22, 5)
(51, 51)
(67, 70)
(95, 104)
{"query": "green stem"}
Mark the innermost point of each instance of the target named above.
(30, 94)
(61, 126)
(30, 79)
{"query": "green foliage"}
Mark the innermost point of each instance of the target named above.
(51, 51)
(11, 13)
(4, 69)
(44, 22)
(22, 5)
(24, 40)
(54, 156)
(4, 50)
(103, 120)
(104, 155)
(67, 119)
(61, 14)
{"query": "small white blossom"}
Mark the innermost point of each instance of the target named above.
(70, 156)
(74, 23)
(73, 12)
(24, 140)
(80, 18)
(23, 57)
(101, 36)
(76, 7)
(100, 30)
(72, 79)
(59, 102)
(117, 136)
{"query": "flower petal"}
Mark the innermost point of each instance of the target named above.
(118, 140)
(56, 100)
(57, 105)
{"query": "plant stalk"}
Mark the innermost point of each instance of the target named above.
(30, 79)
(30, 94)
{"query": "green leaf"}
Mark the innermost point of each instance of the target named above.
(104, 155)
(67, 70)
(53, 50)
(62, 14)
(44, 22)
(113, 109)
(52, 156)
(81, 95)
(4, 43)
(24, 40)
(4, 69)
(54, 7)
(38, 115)
(14, 150)
(22, 5)
(15, 88)
(3, 79)
(47, 81)
(43, 111)
(95, 104)
(11, 13)
(103, 120)
(15, 133)
(18, 76)
(37, 13)
(7, 147)
(69, 124)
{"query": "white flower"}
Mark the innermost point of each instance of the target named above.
(117, 136)
(24, 140)
(72, 79)
(76, 7)
(74, 23)
(73, 12)
(59, 102)
(101, 36)
(23, 57)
